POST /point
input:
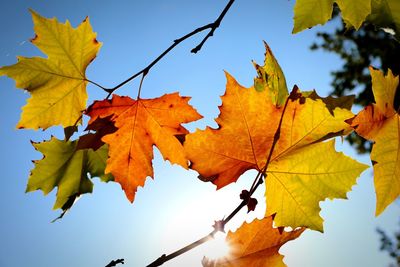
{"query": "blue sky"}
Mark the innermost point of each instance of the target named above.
(175, 208)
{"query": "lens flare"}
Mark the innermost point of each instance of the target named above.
(217, 247)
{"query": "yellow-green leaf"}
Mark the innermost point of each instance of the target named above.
(354, 12)
(67, 168)
(298, 181)
(380, 123)
(271, 75)
(57, 84)
(309, 13)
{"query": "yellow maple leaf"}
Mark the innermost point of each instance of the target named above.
(57, 83)
(380, 123)
(302, 170)
(255, 244)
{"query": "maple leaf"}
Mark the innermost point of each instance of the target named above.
(141, 124)
(270, 75)
(298, 177)
(308, 13)
(255, 244)
(380, 123)
(57, 84)
(67, 168)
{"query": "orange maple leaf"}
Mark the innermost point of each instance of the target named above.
(302, 170)
(247, 123)
(255, 244)
(141, 124)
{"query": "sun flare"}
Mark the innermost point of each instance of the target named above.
(217, 248)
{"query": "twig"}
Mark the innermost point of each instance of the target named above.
(115, 262)
(220, 225)
(215, 25)
(164, 258)
(212, 26)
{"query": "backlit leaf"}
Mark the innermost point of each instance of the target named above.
(67, 168)
(248, 121)
(57, 84)
(255, 244)
(354, 12)
(297, 182)
(309, 13)
(141, 124)
(270, 75)
(380, 123)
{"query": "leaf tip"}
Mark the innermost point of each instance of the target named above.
(33, 12)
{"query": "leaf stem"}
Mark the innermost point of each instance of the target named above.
(219, 225)
(211, 26)
(140, 85)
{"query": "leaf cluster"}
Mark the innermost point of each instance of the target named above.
(287, 137)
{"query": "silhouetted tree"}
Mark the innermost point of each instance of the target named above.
(391, 246)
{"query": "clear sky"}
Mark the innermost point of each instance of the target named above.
(175, 208)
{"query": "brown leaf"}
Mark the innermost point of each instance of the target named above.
(102, 126)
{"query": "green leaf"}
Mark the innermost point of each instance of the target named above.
(67, 168)
(309, 13)
(354, 12)
(271, 75)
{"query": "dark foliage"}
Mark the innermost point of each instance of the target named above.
(391, 246)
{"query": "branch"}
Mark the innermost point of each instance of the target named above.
(115, 262)
(212, 26)
(215, 25)
(219, 226)
(164, 258)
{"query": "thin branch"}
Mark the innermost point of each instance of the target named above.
(212, 26)
(220, 225)
(98, 85)
(164, 258)
(215, 25)
(115, 262)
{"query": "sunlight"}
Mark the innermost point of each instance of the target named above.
(217, 248)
